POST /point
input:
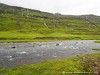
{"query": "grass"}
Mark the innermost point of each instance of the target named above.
(97, 41)
(96, 49)
(16, 26)
(59, 67)
(26, 36)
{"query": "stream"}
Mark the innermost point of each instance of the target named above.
(18, 54)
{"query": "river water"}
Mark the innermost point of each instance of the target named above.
(16, 54)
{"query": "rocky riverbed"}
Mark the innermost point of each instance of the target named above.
(16, 54)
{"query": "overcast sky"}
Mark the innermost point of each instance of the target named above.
(67, 7)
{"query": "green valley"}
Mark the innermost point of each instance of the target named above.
(22, 24)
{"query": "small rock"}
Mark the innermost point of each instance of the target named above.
(57, 44)
(13, 47)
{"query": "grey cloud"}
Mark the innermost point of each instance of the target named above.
(74, 7)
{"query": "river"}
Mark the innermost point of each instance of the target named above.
(17, 54)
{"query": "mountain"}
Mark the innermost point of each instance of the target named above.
(24, 20)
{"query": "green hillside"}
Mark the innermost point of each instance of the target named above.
(22, 24)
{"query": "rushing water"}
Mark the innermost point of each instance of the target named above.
(16, 54)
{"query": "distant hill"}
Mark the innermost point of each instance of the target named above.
(22, 20)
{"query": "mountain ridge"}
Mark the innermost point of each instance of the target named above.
(34, 24)
(20, 7)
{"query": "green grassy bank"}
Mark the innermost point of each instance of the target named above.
(14, 36)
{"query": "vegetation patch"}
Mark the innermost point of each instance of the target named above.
(93, 64)
(96, 49)
(97, 41)
(17, 24)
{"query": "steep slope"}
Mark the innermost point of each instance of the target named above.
(42, 24)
